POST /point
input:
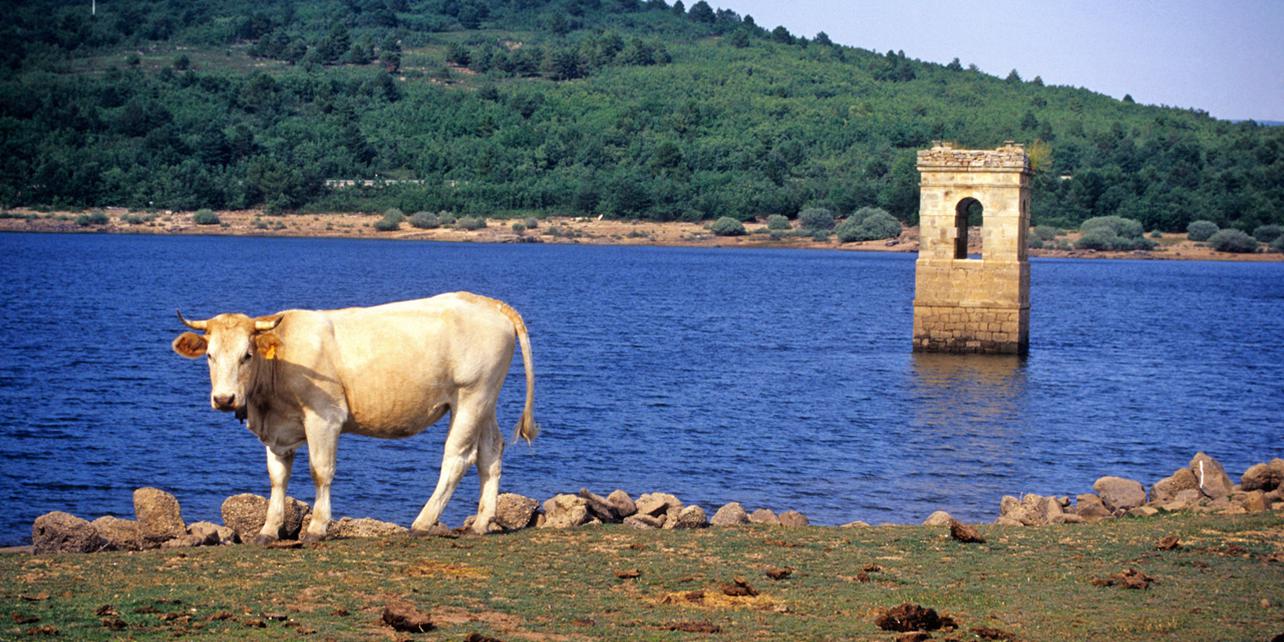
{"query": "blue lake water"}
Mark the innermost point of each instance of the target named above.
(777, 378)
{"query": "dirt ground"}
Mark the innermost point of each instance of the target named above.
(558, 229)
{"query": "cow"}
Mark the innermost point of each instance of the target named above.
(390, 371)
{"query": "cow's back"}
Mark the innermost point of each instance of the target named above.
(401, 364)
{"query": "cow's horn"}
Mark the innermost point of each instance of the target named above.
(270, 324)
(195, 325)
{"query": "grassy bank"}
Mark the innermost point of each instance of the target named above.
(1224, 582)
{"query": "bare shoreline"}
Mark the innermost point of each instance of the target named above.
(557, 229)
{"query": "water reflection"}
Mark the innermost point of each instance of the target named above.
(953, 389)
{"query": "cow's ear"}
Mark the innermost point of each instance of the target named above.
(189, 345)
(268, 345)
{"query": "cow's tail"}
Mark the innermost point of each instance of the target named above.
(526, 427)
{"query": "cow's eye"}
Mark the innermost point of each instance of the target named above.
(209, 358)
(246, 357)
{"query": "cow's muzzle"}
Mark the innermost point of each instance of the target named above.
(225, 403)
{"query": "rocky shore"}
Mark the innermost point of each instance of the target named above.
(1203, 486)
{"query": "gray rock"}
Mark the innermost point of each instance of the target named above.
(691, 517)
(855, 524)
(1120, 494)
(1213, 480)
(158, 513)
(656, 504)
(565, 511)
(1167, 488)
(492, 527)
(622, 503)
(731, 514)
(794, 519)
(121, 534)
(764, 516)
(642, 520)
(245, 514)
(211, 534)
(514, 512)
(365, 527)
(938, 518)
(599, 507)
(1066, 518)
(1264, 477)
(1008, 505)
(1143, 511)
(1050, 508)
(1090, 508)
(60, 532)
(1005, 520)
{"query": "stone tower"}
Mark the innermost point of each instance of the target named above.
(964, 304)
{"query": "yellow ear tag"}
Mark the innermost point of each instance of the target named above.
(270, 353)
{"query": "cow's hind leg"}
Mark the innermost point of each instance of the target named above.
(279, 465)
(490, 453)
(460, 453)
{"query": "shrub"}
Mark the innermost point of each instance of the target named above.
(816, 218)
(532, 223)
(820, 235)
(1156, 234)
(519, 227)
(1268, 233)
(1232, 240)
(1201, 230)
(727, 226)
(425, 220)
(1278, 244)
(1122, 227)
(394, 214)
(205, 217)
(445, 218)
(386, 224)
(1045, 232)
(1035, 242)
(778, 222)
(260, 224)
(470, 223)
(869, 224)
(92, 218)
(1098, 239)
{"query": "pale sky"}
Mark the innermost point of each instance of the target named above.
(1223, 56)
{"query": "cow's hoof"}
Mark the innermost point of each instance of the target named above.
(436, 530)
(308, 538)
(264, 540)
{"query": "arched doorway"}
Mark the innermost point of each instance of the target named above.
(968, 213)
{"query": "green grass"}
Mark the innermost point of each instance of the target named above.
(1033, 582)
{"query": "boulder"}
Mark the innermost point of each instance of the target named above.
(158, 513)
(1119, 494)
(656, 504)
(731, 514)
(642, 520)
(1213, 480)
(690, 517)
(1090, 508)
(60, 532)
(365, 527)
(794, 519)
(1065, 518)
(1167, 488)
(938, 518)
(1253, 501)
(764, 516)
(514, 512)
(855, 524)
(622, 503)
(1142, 511)
(599, 507)
(121, 534)
(467, 526)
(211, 534)
(565, 511)
(245, 514)
(1264, 477)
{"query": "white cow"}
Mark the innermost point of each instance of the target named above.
(306, 376)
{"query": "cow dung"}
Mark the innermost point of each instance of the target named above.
(908, 617)
(403, 616)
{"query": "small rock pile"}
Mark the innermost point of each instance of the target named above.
(1202, 486)
(650, 510)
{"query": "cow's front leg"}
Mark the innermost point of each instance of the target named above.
(323, 446)
(279, 465)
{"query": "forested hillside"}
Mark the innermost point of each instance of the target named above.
(623, 107)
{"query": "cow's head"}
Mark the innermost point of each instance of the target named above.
(233, 344)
